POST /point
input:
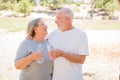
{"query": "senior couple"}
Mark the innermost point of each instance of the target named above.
(69, 48)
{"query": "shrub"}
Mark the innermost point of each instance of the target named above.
(0, 5)
(24, 7)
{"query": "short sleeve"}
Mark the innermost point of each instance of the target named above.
(22, 51)
(83, 46)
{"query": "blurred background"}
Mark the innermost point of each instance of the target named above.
(100, 19)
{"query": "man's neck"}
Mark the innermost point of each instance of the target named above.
(68, 28)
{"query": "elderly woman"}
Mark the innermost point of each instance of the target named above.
(27, 54)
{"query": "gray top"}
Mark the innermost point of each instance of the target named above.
(34, 71)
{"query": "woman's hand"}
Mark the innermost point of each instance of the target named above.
(37, 55)
(24, 62)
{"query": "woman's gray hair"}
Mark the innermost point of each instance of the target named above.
(31, 25)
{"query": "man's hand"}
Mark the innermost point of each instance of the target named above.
(55, 53)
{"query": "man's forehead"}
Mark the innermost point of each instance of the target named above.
(59, 13)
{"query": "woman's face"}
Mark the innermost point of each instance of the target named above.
(41, 29)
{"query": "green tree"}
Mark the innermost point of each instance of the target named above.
(24, 7)
(53, 4)
(0, 5)
(111, 6)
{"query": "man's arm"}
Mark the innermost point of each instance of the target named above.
(75, 58)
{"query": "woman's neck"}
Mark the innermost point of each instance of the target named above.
(38, 38)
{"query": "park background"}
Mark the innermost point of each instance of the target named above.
(100, 19)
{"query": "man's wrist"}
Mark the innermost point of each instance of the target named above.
(64, 54)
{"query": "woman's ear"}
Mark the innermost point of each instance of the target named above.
(35, 29)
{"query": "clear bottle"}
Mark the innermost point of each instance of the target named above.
(50, 47)
(40, 49)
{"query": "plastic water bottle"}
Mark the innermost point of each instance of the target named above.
(40, 49)
(50, 47)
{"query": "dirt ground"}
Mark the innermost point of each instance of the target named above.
(103, 62)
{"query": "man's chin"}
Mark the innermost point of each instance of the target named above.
(61, 28)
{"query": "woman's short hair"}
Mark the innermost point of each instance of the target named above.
(31, 25)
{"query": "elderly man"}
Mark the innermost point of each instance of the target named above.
(70, 47)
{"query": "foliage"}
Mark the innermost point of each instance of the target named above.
(21, 6)
(99, 3)
(106, 4)
(9, 5)
(44, 2)
(78, 4)
(112, 6)
(109, 5)
(0, 5)
(24, 7)
(55, 4)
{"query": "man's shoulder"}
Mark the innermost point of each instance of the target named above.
(53, 32)
(79, 31)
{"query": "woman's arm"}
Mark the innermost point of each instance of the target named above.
(24, 62)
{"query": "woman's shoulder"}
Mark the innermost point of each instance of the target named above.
(25, 42)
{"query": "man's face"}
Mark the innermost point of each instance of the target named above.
(60, 21)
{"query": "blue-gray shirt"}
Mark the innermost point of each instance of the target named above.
(34, 71)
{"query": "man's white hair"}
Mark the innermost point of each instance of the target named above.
(66, 12)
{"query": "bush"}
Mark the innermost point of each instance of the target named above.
(9, 5)
(24, 7)
(0, 5)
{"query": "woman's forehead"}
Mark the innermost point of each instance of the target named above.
(41, 22)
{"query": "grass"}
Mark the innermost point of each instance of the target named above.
(19, 24)
(14, 24)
